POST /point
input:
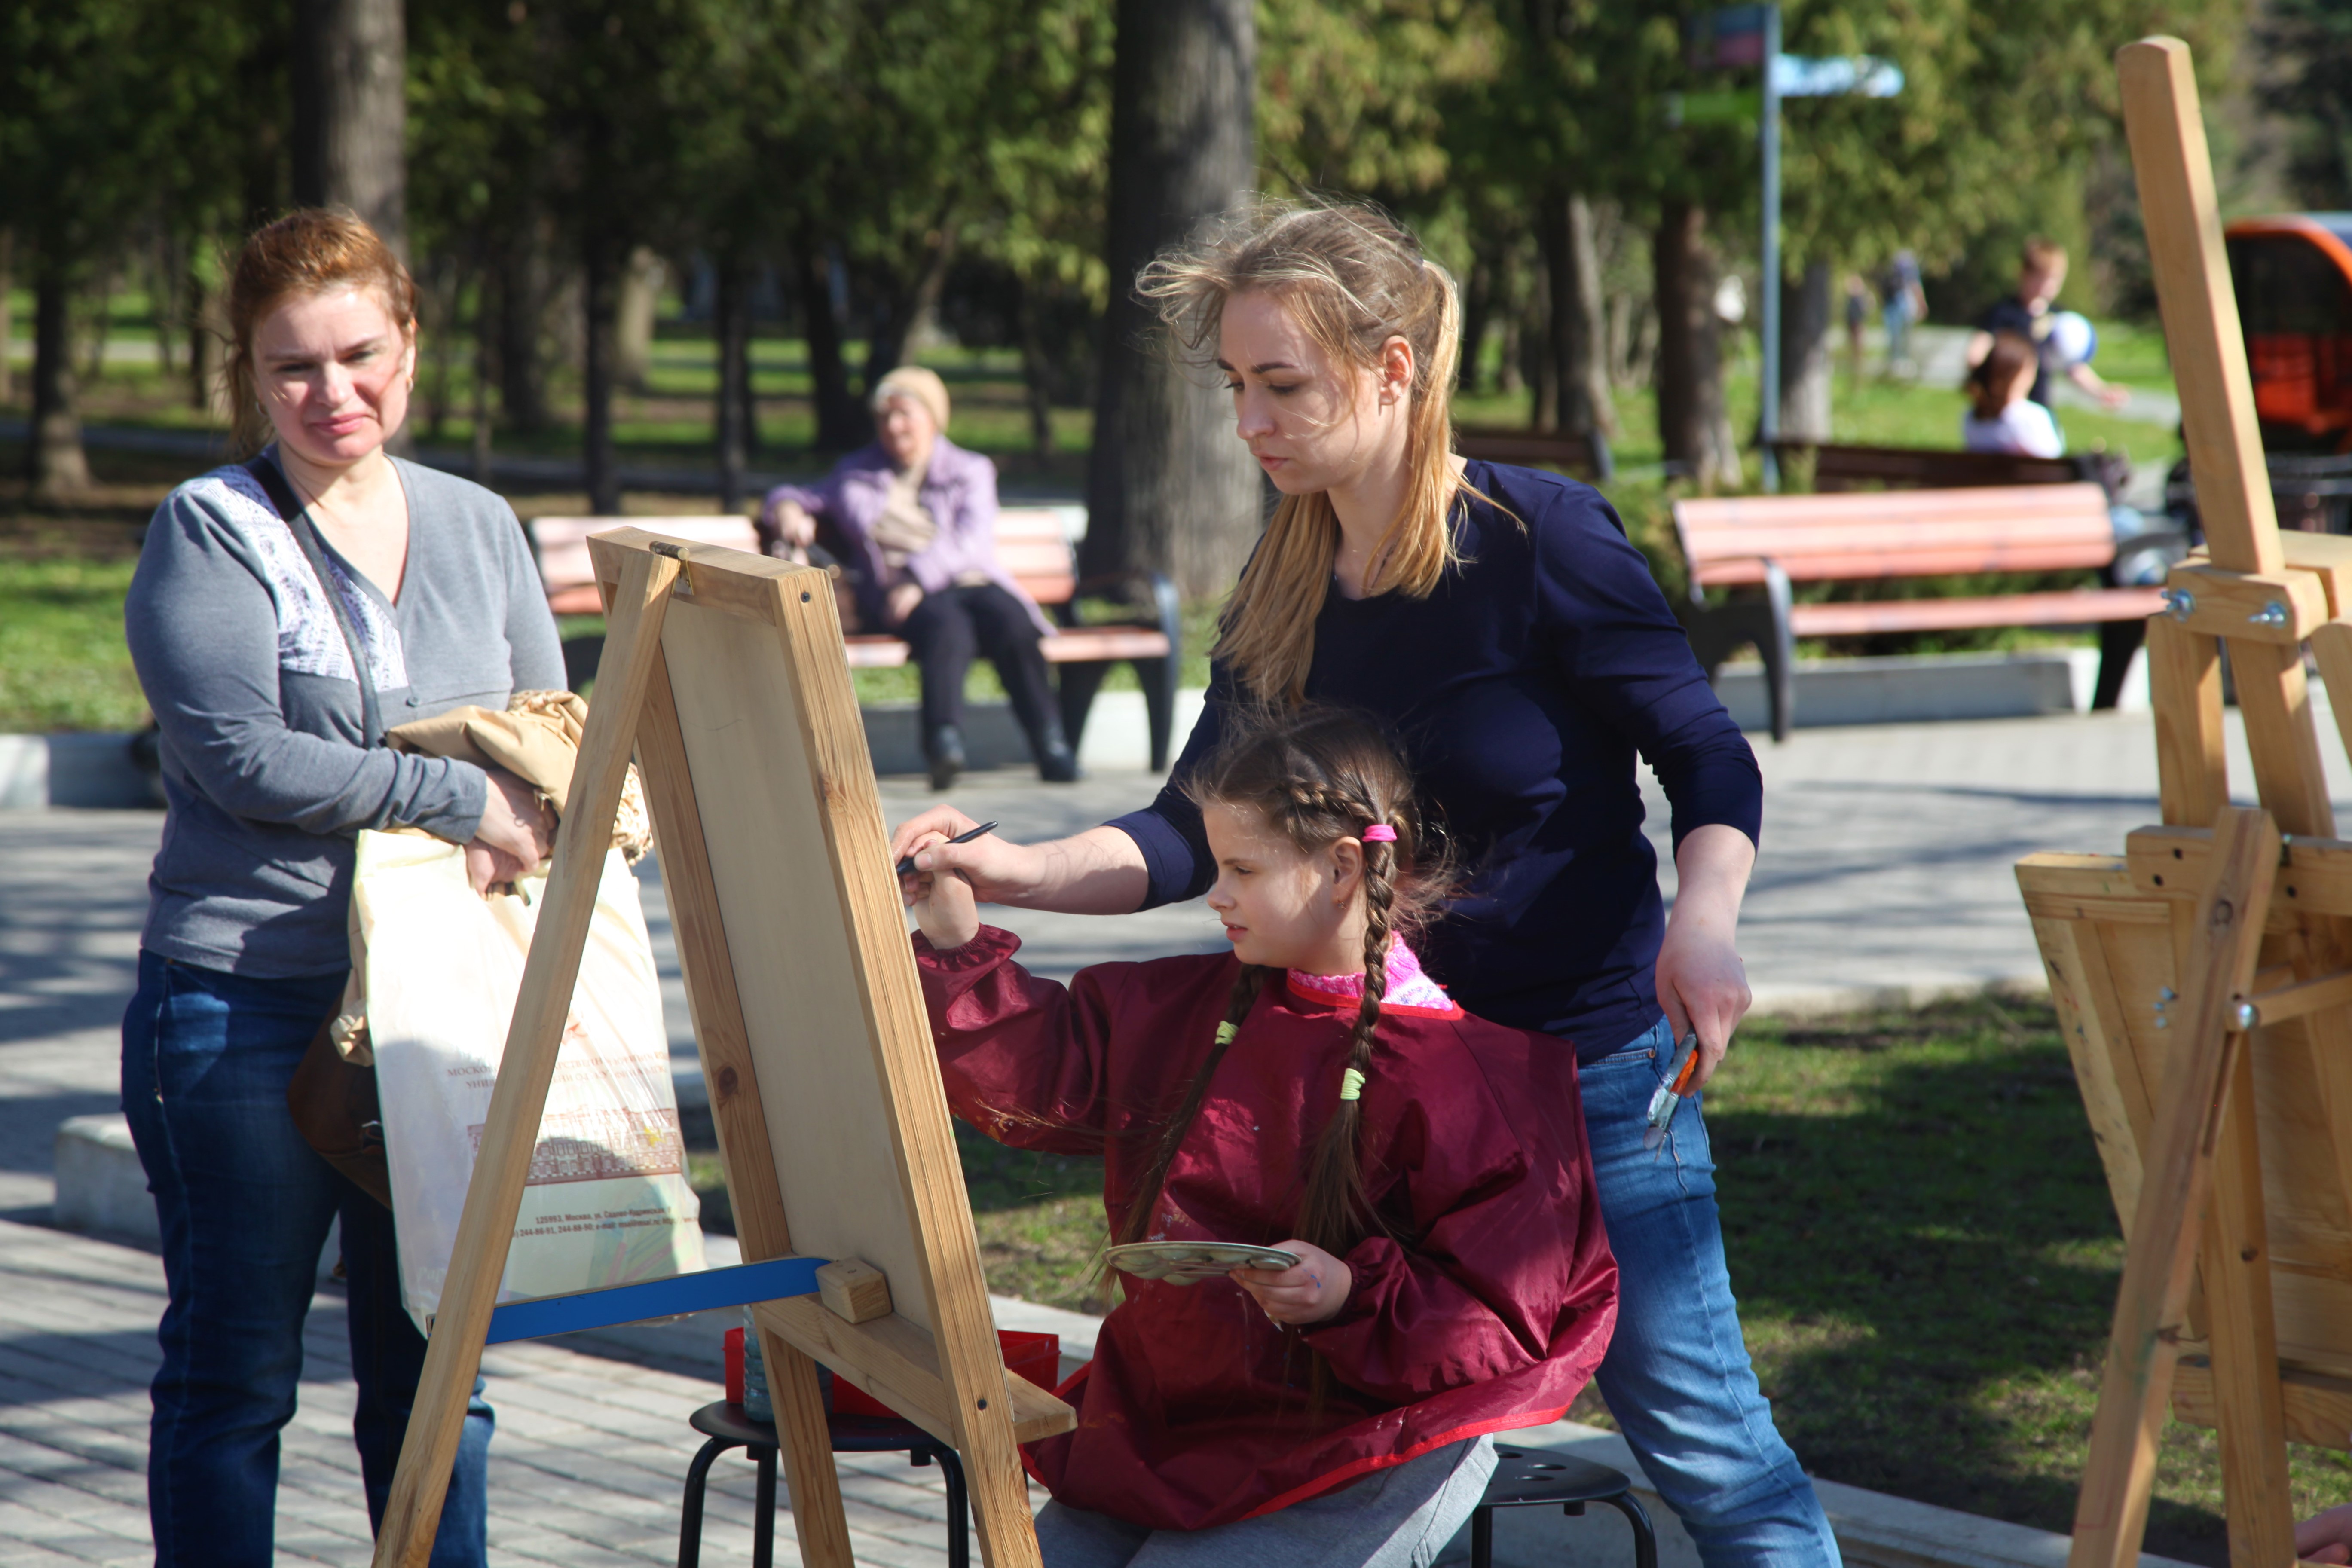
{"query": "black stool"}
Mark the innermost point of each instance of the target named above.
(728, 1427)
(1523, 1478)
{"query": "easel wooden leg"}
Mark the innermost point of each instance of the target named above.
(1000, 1509)
(486, 1228)
(2235, 1265)
(809, 1469)
(2111, 1515)
(2184, 687)
(2275, 701)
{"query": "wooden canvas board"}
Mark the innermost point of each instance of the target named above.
(2107, 947)
(727, 673)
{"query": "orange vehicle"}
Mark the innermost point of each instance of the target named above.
(2294, 279)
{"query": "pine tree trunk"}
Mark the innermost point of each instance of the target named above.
(208, 338)
(1805, 362)
(600, 300)
(484, 368)
(906, 309)
(1588, 366)
(523, 306)
(350, 114)
(640, 302)
(1576, 373)
(731, 320)
(1477, 316)
(1168, 487)
(1036, 373)
(1692, 425)
(55, 461)
(8, 309)
(841, 423)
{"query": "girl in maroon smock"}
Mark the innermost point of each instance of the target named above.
(1311, 1091)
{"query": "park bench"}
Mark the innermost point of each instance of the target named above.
(1838, 466)
(1774, 542)
(1583, 456)
(1029, 542)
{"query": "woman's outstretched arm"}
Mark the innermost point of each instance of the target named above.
(1097, 872)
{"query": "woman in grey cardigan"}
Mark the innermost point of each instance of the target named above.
(271, 766)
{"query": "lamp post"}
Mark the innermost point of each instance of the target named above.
(1768, 132)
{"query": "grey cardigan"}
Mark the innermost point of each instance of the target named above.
(265, 777)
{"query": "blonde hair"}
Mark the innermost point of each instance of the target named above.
(310, 250)
(1354, 278)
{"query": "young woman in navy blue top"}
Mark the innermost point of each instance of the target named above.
(1499, 623)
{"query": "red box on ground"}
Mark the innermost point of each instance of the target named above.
(1038, 1357)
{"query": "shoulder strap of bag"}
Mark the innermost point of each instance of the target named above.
(306, 535)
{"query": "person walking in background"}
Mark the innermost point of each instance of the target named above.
(916, 514)
(1857, 316)
(2041, 275)
(2000, 417)
(281, 612)
(1904, 305)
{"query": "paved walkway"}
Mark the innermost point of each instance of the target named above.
(1886, 872)
(587, 1466)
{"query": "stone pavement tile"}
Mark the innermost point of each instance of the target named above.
(24, 1461)
(308, 1545)
(52, 1516)
(25, 1554)
(561, 1537)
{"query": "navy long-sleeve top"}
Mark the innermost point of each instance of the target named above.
(1520, 690)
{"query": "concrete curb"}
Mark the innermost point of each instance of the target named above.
(93, 769)
(1929, 688)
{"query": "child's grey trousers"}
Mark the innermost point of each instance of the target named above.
(1402, 1517)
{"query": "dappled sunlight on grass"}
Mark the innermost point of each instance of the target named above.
(1926, 1257)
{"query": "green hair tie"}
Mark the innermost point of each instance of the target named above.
(1225, 1033)
(1351, 1085)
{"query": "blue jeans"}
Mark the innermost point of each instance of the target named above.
(244, 1205)
(1676, 1376)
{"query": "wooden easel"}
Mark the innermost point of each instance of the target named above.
(725, 672)
(2204, 979)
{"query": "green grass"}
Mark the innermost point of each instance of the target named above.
(1923, 1246)
(63, 665)
(1926, 1258)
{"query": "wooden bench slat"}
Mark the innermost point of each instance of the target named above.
(1914, 533)
(2083, 607)
(1838, 464)
(1085, 645)
(1869, 565)
(1895, 506)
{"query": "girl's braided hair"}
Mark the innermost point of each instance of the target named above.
(1318, 775)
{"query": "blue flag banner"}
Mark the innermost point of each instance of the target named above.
(1728, 39)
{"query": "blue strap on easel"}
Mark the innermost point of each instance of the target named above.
(674, 1297)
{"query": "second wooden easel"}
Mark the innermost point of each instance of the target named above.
(2205, 979)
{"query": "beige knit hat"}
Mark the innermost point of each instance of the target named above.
(922, 385)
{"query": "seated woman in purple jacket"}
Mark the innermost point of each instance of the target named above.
(918, 513)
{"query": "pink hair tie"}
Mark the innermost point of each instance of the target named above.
(1379, 832)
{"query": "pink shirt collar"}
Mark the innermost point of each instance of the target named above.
(1408, 986)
